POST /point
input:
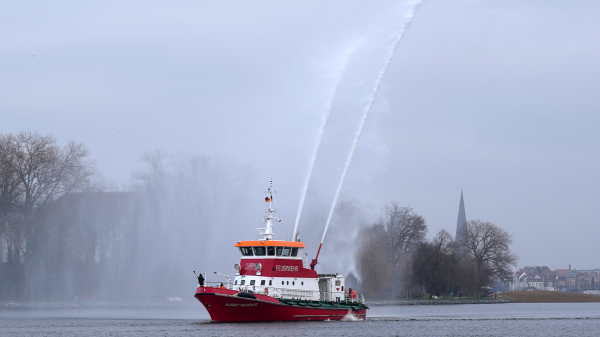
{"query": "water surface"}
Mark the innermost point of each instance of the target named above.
(538, 319)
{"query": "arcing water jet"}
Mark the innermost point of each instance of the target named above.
(388, 60)
(342, 68)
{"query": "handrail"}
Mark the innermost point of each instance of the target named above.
(360, 298)
(289, 293)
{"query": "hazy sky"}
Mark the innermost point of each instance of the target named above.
(500, 97)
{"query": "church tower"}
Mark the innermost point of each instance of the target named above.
(462, 217)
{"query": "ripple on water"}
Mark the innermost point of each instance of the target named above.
(464, 320)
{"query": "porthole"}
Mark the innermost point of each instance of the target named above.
(270, 282)
(293, 283)
(302, 282)
(282, 283)
(288, 283)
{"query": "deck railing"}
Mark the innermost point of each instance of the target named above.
(333, 297)
(292, 293)
(286, 293)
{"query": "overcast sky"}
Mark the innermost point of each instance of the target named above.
(499, 97)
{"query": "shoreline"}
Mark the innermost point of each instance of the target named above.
(510, 297)
(180, 305)
(93, 305)
(434, 302)
(549, 297)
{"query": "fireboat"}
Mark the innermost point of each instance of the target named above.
(272, 284)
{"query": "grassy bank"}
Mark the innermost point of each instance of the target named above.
(549, 297)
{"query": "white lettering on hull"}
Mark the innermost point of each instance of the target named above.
(241, 304)
(286, 268)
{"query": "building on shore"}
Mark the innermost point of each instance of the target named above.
(543, 278)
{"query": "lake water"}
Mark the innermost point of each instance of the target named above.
(540, 319)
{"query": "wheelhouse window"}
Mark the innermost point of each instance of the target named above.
(246, 251)
(295, 251)
(279, 250)
(259, 251)
(271, 251)
(286, 251)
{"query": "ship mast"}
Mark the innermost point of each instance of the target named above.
(271, 216)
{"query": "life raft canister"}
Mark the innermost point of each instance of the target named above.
(352, 294)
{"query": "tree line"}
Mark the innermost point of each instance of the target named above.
(66, 234)
(396, 260)
(34, 171)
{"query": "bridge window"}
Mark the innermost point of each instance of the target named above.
(279, 249)
(259, 251)
(286, 251)
(262, 282)
(271, 251)
(294, 251)
(246, 251)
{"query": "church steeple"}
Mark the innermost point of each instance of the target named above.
(462, 217)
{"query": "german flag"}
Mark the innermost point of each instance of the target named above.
(268, 200)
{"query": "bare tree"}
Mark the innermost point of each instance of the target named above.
(373, 265)
(434, 261)
(465, 276)
(489, 246)
(400, 230)
(44, 171)
(396, 236)
(10, 183)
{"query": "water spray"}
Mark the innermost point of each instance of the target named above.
(324, 120)
(388, 59)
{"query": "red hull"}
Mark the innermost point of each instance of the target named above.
(223, 306)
